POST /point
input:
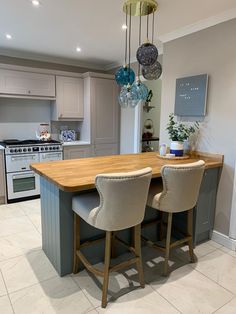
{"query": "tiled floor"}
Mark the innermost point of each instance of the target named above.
(29, 284)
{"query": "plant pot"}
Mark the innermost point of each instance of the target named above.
(177, 148)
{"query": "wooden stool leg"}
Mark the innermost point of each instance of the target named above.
(137, 247)
(113, 245)
(161, 227)
(106, 268)
(190, 232)
(168, 238)
(76, 242)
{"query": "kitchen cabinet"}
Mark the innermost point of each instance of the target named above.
(28, 84)
(76, 152)
(105, 111)
(106, 149)
(69, 104)
(2, 178)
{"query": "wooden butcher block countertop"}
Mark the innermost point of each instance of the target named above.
(79, 174)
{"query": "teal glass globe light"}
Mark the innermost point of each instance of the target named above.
(140, 89)
(152, 72)
(124, 76)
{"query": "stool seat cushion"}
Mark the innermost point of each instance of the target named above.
(86, 206)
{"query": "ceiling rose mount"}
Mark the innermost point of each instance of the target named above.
(140, 7)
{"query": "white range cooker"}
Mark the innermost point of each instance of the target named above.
(23, 183)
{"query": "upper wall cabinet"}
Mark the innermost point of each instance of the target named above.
(26, 84)
(69, 102)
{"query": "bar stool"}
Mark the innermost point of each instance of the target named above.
(119, 204)
(181, 185)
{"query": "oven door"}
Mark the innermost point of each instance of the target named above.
(45, 157)
(16, 163)
(22, 184)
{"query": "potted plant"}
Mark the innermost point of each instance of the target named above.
(178, 133)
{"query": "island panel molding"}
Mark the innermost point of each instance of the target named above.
(79, 174)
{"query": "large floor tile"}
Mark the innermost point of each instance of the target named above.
(15, 225)
(199, 251)
(19, 244)
(24, 271)
(31, 207)
(5, 306)
(3, 290)
(140, 301)
(229, 308)
(228, 251)
(191, 292)
(36, 221)
(57, 295)
(11, 211)
(220, 267)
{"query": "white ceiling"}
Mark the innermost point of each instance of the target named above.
(54, 30)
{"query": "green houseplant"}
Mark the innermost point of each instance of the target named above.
(178, 133)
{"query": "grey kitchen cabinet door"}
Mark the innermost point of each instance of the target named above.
(106, 149)
(76, 152)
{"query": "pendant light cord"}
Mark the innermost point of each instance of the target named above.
(147, 27)
(140, 31)
(126, 35)
(129, 40)
(153, 25)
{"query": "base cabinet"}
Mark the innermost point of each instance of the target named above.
(2, 179)
(106, 149)
(76, 152)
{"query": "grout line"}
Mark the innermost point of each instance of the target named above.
(223, 305)
(7, 291)
(165, 299)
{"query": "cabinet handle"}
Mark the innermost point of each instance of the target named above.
(61, 115)
(29, 92)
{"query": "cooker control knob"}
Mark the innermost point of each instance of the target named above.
(11, 150)
(20, 150)
(50, 148)
(46, 148)
(29, 149)
(24, 150)
(54, 147)
(42, 148)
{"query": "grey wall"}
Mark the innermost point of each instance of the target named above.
(211, 51)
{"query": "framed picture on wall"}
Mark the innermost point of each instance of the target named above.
(191, 96)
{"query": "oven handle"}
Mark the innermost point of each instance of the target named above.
(22, 176)
(23, 157)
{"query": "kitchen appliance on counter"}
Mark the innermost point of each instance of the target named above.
(22, 183)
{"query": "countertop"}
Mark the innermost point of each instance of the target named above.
(79, 174)
(75, 143)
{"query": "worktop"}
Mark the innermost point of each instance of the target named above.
(60, 181)
(76, 143)
(79, 174)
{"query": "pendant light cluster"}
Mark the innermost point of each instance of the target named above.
(133, 92)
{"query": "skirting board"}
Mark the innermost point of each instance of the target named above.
(224, 240)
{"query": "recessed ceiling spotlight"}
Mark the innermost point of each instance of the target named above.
(78, 49)
(36, 3)
(8, 36)
(124, 26)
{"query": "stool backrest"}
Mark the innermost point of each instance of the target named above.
(181, 185)
(123, 198)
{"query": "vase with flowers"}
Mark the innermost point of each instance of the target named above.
(178, 133)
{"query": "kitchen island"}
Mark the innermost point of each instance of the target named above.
(61, 180)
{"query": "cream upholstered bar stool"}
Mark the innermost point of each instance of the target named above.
(119, 204)
(181, 185)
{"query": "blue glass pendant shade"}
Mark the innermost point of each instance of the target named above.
(124, 76)
(147, 54)
(140, 89)
(152, 72)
